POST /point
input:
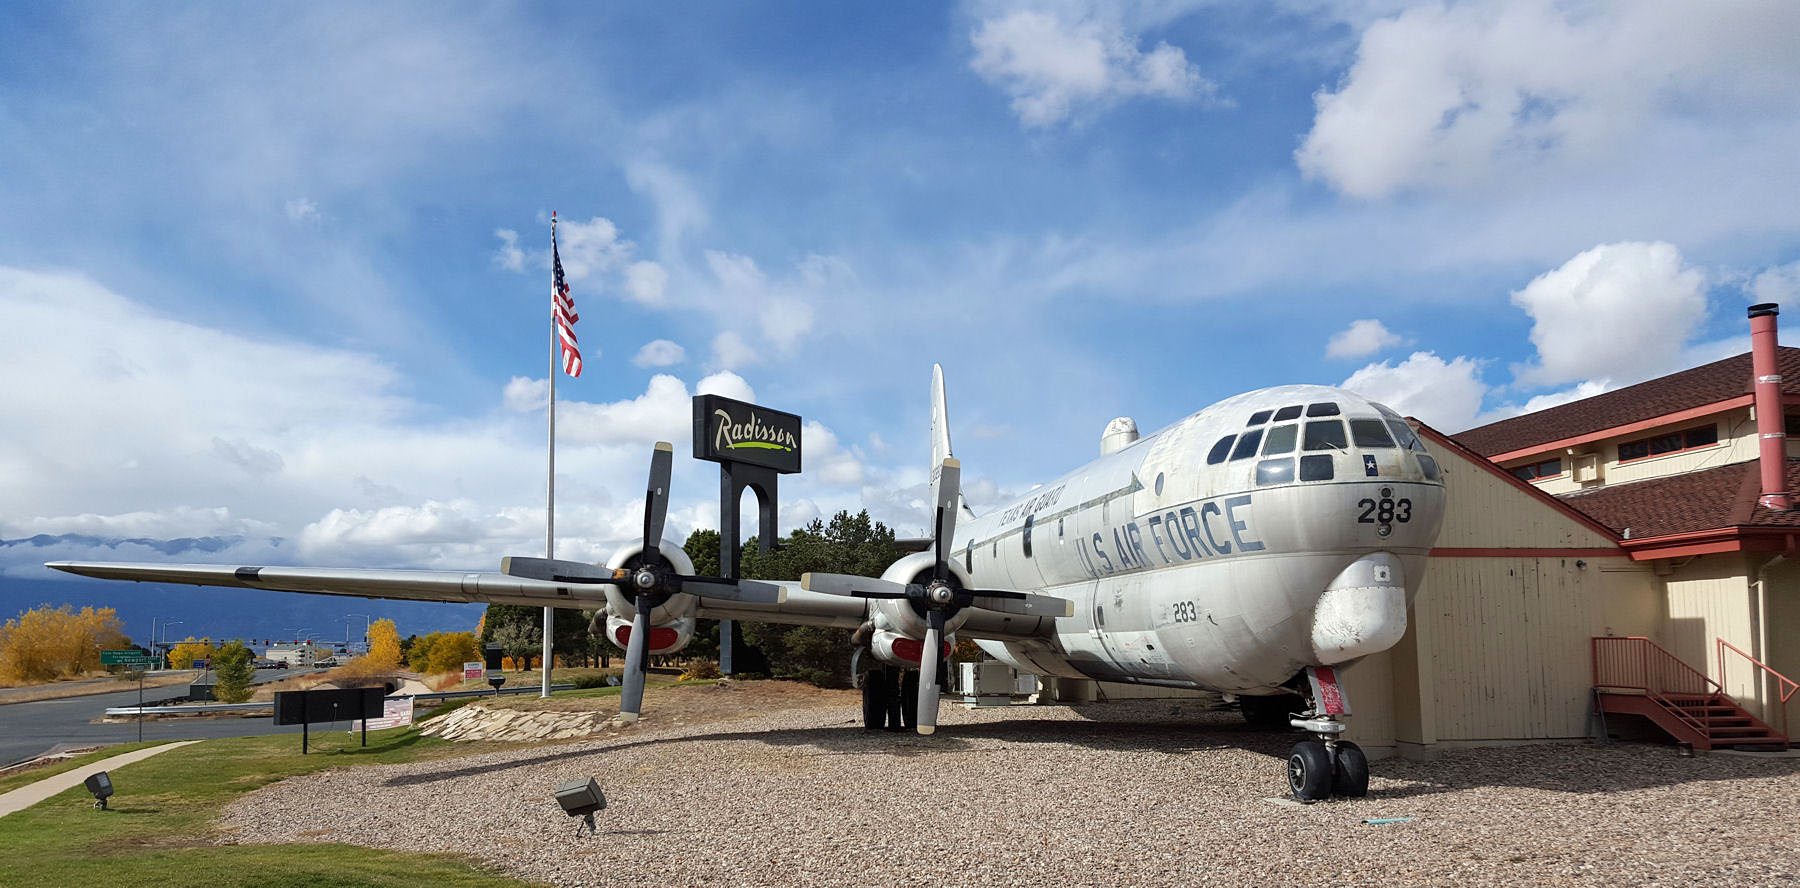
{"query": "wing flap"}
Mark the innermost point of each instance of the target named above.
(410, 585)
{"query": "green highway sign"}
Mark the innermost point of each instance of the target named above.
(128, 657)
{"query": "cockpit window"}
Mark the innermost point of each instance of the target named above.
(1326, 434)
(1280, 439)
(1323, 408)
(1220, 450)
(1429, 466)
(1370, 433)
(1246, 445)
(1315, 468)
(1275, 471)
(1291, 411)
(1259, 417)
(1405, 435)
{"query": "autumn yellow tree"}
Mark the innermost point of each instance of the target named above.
(384, 646)
(419, 658)
(45, 643)
(183, 655)
(451, 651)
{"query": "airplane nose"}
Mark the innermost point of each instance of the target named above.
(1362, 611)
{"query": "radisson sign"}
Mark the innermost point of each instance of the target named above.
(728, 431)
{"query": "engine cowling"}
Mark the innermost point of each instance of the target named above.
(895, 649)
(671, 623)
(898, 616)
(664, 638)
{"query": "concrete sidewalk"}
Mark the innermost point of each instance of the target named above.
(26, 796)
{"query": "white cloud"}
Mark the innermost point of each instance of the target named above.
(1447, 395)
(1619, 311)
(1056, 69)
(647, 283)
(301, 209)
(1447, 95)
(679, 208)
(509, 256)
(144, 427)
(526, 395)
(1780, 284)
(592, 247)
(730, 351)
(1361, 338)
(826, 460)
(660, 353)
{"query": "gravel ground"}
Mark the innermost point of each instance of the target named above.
(1141, 793)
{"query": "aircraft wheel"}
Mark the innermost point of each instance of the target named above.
(909, 700)
(1309, 771)
(897, 705)
(875, 700)
(1352, 773)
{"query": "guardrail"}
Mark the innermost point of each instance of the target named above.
(205, 708)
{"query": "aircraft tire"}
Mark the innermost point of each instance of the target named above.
(893, 680)
(875, 700)
(909, 700)
(1352, 772)
(1309, 771)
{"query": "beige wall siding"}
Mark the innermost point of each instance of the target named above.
(1509, 646)
(1485, 511)
(1783, 602)
(1710, 598)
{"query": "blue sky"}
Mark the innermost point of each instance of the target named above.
(277, 275)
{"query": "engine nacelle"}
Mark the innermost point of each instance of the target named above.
(895, 649)
(664, 639)
(897, 615)
(678, 607)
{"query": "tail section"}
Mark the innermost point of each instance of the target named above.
(940, 418)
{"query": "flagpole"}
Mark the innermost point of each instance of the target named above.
(550, 483)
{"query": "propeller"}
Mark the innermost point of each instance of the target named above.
(943, 596)
(649, 584)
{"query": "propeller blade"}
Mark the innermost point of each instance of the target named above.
(845, 584)
(928, 667)
(656, 498)
(946, 490)
(1029, 604)
(558, 571)
(631, 699)
(734, 590)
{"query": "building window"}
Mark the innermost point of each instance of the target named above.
(1672, 442)
(1549, 468)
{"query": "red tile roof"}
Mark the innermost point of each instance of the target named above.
(1706, 384)
(1709, 499)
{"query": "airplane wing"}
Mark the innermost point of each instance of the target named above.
(801, 607)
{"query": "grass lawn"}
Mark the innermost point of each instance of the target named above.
(159, 830)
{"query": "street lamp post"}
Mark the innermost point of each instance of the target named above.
(367, 621)
(163, 644)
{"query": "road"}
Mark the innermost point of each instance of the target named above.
(28, 729)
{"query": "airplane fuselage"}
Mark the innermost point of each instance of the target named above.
(1275, 530)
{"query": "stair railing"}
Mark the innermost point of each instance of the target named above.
(1786, 687)
(1633, 662)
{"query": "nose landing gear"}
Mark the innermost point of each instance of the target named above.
(1326, 766)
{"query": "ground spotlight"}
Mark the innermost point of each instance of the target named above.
(101, 786)
(581, 798)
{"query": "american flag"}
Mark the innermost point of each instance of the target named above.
(564, 309)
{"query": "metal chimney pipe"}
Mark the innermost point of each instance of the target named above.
(1771, 423)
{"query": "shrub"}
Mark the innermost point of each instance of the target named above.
(701, 670)
(585, 682)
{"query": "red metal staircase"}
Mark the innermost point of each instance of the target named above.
(1636, 676)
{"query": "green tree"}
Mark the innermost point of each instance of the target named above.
(849, 544)
(232, 669)
(519, 642)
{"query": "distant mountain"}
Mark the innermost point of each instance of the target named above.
(252, 614)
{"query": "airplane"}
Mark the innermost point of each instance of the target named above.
(1253, 548)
